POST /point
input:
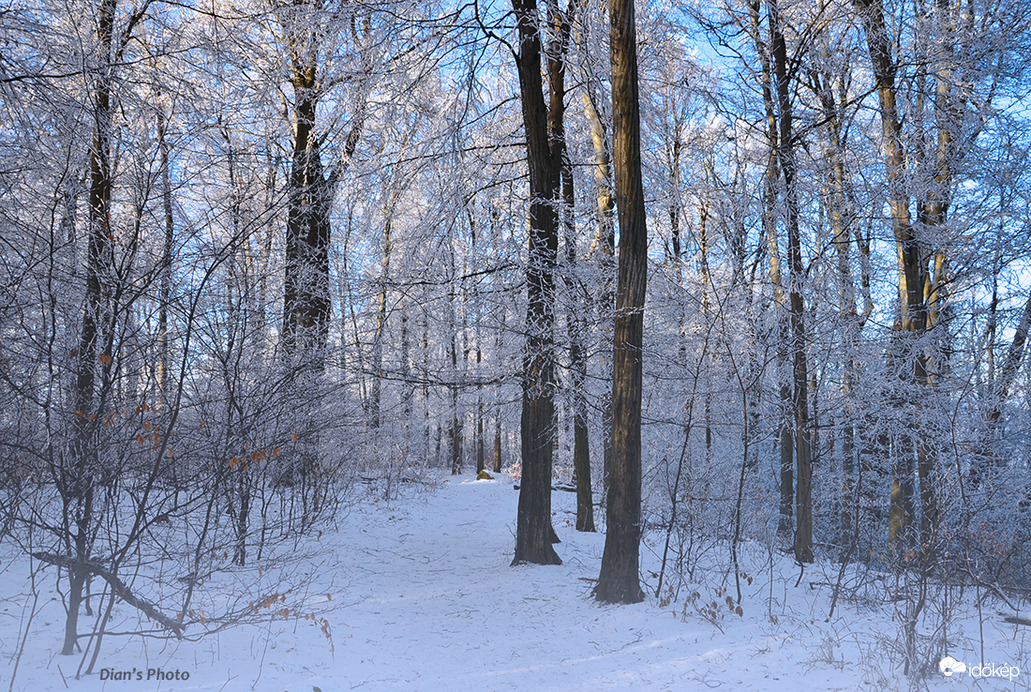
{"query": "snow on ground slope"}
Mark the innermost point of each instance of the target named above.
(419, 595)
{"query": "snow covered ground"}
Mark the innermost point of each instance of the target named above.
(418, 594)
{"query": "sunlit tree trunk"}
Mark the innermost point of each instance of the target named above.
(577, 362)
(604, 249)
(165, 288)
(912, 321)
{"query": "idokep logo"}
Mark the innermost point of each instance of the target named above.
(950, 666)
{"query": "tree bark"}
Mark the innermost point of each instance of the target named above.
(165, 295)
(839, 202)
(78, 484)
(543, 127)
(311, 189)
(306, 301)
(619, 581)
(803, 544)
(785, 428)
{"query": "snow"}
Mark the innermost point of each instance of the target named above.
(418, 594)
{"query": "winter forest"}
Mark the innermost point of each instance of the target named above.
(750, 278)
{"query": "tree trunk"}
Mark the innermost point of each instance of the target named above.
(80, 480)
(706, 280)
(497, 444)
(577, 363)
(785, 429)
(306, 299)
(310, 191)
(165, 295)
(604, 243)
(381, 317)
(543, 127)
(999, 386)
(619, 581)
(913, 314)
(455, 428)
(838, 200)
(803, 545)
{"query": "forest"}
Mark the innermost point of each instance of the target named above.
(736, 273)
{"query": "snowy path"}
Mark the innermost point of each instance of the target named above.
(433, 604)
(437, 595)
(423, 598)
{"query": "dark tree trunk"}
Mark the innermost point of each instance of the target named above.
(785, 431)
(786, 440)
(619, 581)
(307, 304)
(455, 429)
(311, 189)
(77, 484)
(165, 296)
(497, 444)
(306, 301)
(481, 452)
(381, 316)
(542, 124)
(803, 434)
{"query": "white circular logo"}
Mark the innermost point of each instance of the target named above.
(949, 665)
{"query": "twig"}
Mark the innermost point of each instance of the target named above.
(24, 639)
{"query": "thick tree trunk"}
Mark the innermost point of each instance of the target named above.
(542, 124)
(619, 581)
(306, 303)
(306, 298)
(310, 191)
